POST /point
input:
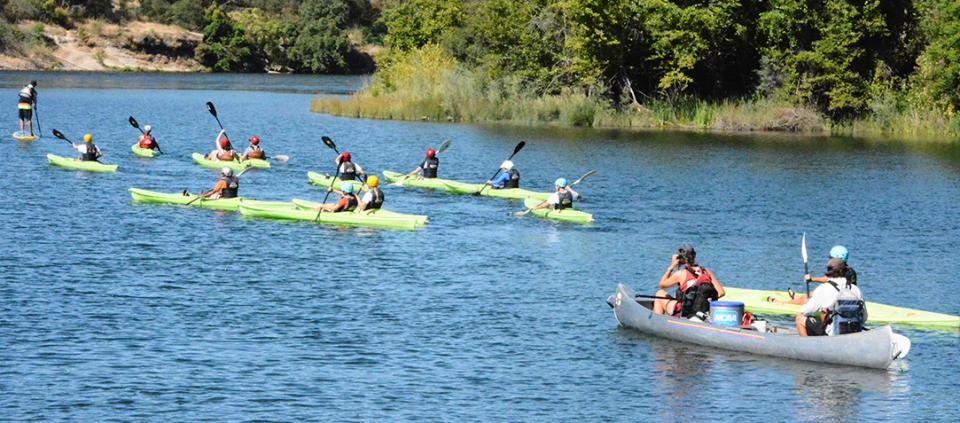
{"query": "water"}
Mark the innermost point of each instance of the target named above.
(114, 311)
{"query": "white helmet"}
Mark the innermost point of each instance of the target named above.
(147, 128)
(226, 172)
(506, 165)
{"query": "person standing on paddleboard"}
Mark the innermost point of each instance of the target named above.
(27, 100)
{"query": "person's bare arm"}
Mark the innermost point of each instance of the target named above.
(668, 279)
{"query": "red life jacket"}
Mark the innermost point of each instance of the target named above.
(694, 293)
(225, 155)
(255, 154)
(146, 142)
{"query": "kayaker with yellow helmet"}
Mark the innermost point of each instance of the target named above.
(696, 286)
(348, 200)
(27, 100)
(509, 177)
(146, 141)
(838, 303)
(373, 197)
(253, 150)
(347, 169)
(428, 167)
(562, 197)
(224, 150)
(88, 151)
(227, 187)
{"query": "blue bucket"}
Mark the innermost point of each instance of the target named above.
(726, 313)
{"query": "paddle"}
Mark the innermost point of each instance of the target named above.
(803, 252)
(515, 151)
(443, 147)
(60, 135)
(336, 174)
(653, 297)
(36, 112)
(135, 124)
(579, 180)
(282, 158)
(199, 197)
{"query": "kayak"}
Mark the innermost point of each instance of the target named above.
(369, 218)
(325, 180)
(565, 215)
(877, 348)
(202, 160)
(142, 152)
(20, 136)
(412, 181)
(511, 193)
(313, 205)
(74, 164)
(755, 301)
(230, 204)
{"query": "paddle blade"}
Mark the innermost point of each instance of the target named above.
(58, 134)
(443, 147)
(803, 248)
(329, 142)
(133, 122)
(281, 158)
(518, 148)
(582, 178)
(211, 109)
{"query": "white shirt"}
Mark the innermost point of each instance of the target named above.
(825, 298)
(82, 148)
(367, 197)
(554, 198)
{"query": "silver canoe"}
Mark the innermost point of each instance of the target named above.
(876, 348)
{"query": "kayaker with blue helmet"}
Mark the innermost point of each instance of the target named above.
(227, 187)
(562, 197)
(428, 167)
(372, 198)
(26, 101)
(347, 169)
(696, 286)
(348, 200)
(509, 177)
(837, 252)
(818, 317)
(88, 151)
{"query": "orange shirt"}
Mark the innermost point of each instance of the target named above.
(220, 186)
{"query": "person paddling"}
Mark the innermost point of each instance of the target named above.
(509, 177)
(227, 187)
(253, 150)
(562, 198)
(696, 286)
(88, 151)
(224, 151)
(826, 301)
(373, 197)
(146, 141)
(26, 102)
(348, 200)
(348, 170)
(428, 167)
(837, 252)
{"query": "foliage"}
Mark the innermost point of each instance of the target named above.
(321, 45)
(225, 48)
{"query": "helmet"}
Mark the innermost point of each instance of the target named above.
(345, 156)
(87, 138)
(373, 181)
(346, 187)
(226, 171)
(686, 253)
(147, 128)
(224, 142)
(431, 153)
(254, 140)
(561, 182)
(506, 165)
(839, 252)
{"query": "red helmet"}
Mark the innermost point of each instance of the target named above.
(345, 156)
(254, 140)
(224, 142)
(431, 153)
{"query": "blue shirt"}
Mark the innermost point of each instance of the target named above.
(501, 179)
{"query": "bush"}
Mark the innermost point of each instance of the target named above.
(16, 10)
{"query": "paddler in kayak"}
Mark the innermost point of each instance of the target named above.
(348, 200)
(428, 167)
(88, 151)
(838, 303)
(348, 170)
(25, 104)
(562, 198)
(696, 286)
(227, 187)
(224, 151)
(146, 141)
(837, 252)
(509, 177)
(253, 150)
(373, 197)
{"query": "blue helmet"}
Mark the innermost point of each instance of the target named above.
(346, 187)
(561, 182)
(839, 252)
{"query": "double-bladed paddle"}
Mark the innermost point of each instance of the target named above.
(60, 135)
(199, 197)
(579, 180)
(213, 111)
(515, 151)
(135, 124)
(336, 174)
(443, 147)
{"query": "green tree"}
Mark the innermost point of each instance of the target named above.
(414, 23)
(271, 36)
(321, 45)
(938, 70)
(224, 47)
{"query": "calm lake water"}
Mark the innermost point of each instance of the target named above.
(116, 311)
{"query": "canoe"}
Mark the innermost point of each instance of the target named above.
(412, 181)
(230, 204)
(313, 205)
(565, 215)
(201, 160)
(877, 348)
(142, 152)
(368, 218)
(511, 193)
(20, 136)
(325, 180)
(68, 163)
(755, 301)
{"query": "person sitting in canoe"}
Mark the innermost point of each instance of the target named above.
(349, 170)
(88, 151)
(428, 167)
(146, 139)
(27, 99)
(696, 286)
(224, 151)
(838, 302)
(562, 198)
(373, 197)
(509, 177)
(227, 187)
(837, 252)
(348, 200)
(254, 151)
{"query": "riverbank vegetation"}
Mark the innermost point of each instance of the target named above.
(843, 66)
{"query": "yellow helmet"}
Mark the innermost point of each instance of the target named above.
(87, 138)
(373, 181)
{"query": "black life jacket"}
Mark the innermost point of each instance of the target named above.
(348, 171)
(352, 202)
(232, 189)
(849, 314)
(90, 153)
(851, 275)
(694, 295)
(428, 169)
(377, 199)
(514, 181)
(566, 200)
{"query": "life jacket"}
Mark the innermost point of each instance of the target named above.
(90, 153)
(377, 199)
(256, 153)
(352, 202)
(566, 200)
(429, 167)
(26, 96)
(514, 181)
(851, 275)
(232, 188)
(348, 171)
(695, 293)
(146, 142)
(849, 314)
(225, 155)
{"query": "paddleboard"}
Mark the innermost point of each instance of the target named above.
(20, 136)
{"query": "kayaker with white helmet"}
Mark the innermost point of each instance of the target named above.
(254, 151)
(696, 286)
(347, 169)
(27, 100)
(146, 141)
(428, 167)
(224, 150)
(837, 252)
(348, 200)
(227, 187)
(88, 151)
(827, 300)
(509, 177)
(373, 197)
(562, 197)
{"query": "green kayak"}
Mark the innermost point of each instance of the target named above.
(755, 301)
(324, 181)
(369, 218)
(565, 215)
(88, 166)
(511, 193)
(230, 204)
(142, 152)
(201, 160)
(412, 181)
(313, 205)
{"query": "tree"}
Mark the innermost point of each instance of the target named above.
(321, 45)
(224, 47)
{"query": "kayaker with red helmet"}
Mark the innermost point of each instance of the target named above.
(696, 286)
(372, 198)
(428, 167)
(837, 252)
(254, 151)
(509, 177)
(822, 314)
(26, 101)
(224, 151)
(227, 187)
(88, 151)
(347, 169)
(562, 198)
(348, 200)
(146, 139)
